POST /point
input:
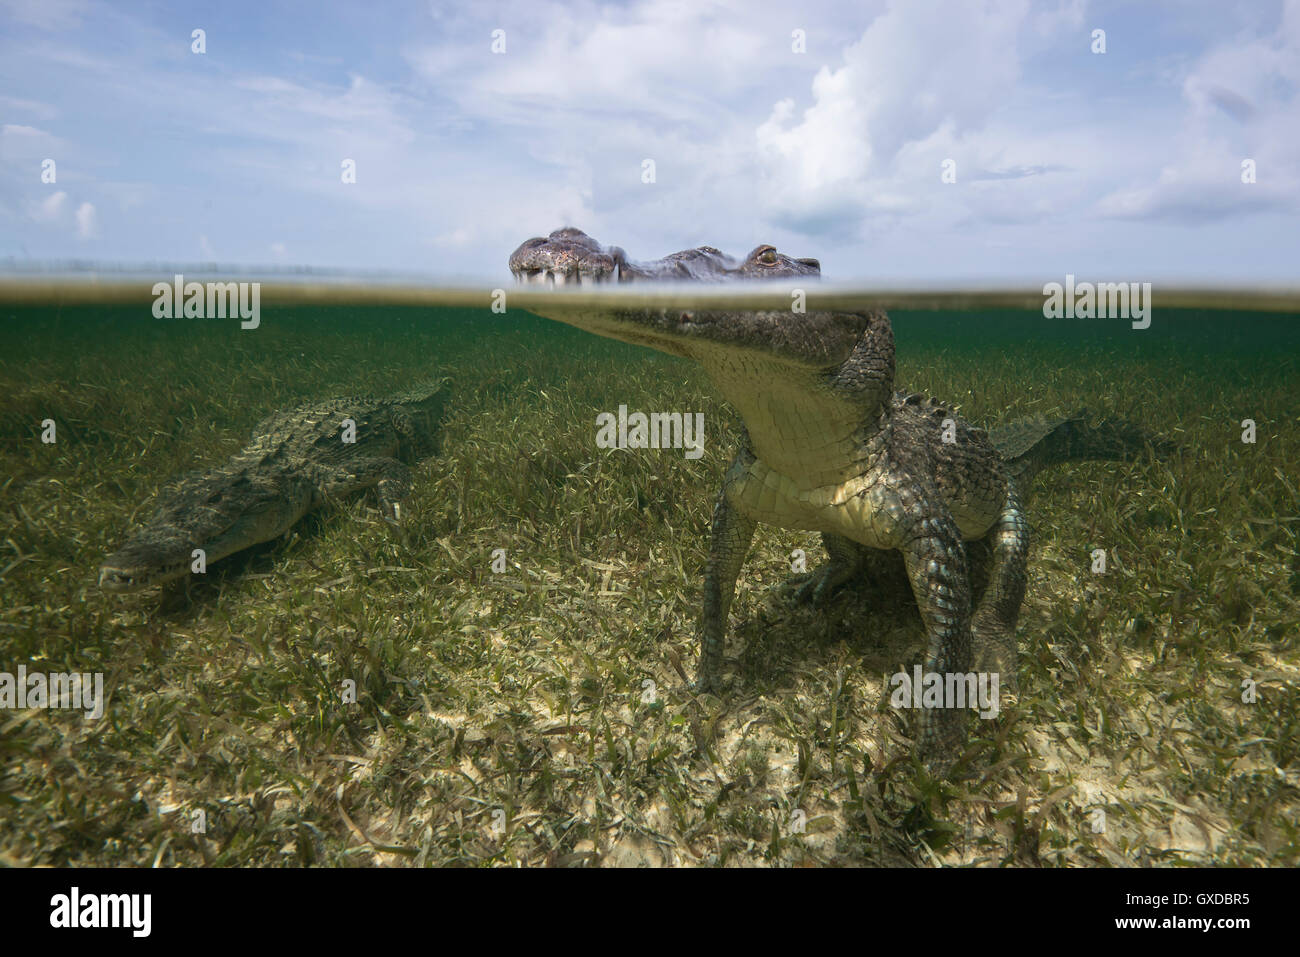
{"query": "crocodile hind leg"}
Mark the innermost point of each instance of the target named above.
(732, 533)
(993, 623)
(845, 561)
(935, 557)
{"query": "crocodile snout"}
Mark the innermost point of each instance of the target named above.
(121, 579)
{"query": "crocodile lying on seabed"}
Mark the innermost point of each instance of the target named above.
(830, 446)
(297, 461)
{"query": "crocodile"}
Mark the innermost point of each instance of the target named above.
(570, 257)
(298, 460)
(829, 445)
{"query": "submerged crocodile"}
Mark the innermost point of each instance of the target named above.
(830, 446)
(298, 460)
(570, 257)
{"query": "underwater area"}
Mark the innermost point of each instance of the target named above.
(519, 648)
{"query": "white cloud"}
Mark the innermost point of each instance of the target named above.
(22, 143)
(50, 209)
(85, 217)
(1242, 98)
(922, 77)
(1198, 191)
(660, 57)
(364, 109)
(834, 153)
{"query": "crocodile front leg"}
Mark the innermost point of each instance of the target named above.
(994, 619)
(390, 478)
(731, 535)
(935, 557)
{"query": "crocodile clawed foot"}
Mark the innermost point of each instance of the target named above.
(938, 765)
(1008, 683)
(816, 587)
(391, 510)
(996, 653)
(175, 595)
(707, 682)
(798, 588)
(941, 740)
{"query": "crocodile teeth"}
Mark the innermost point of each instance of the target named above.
(539, 278)
(549, 277)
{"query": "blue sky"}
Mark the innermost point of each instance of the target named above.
(1125, 165)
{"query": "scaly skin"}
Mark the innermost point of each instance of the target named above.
(296, 462)
(570, 257)
(829, 446)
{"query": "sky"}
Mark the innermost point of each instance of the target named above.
(942, 141)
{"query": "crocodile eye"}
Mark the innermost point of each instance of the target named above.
(767, 257)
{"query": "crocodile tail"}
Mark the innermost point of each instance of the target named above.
(1031, 446)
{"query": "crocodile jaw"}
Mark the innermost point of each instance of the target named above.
(801, 383)
(805, 344)
(152, 559)
(566, 257)
(219, 513)
(124, 572)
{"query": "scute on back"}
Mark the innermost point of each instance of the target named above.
(296, 460)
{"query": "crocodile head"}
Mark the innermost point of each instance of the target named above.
(570, 257)
(566, 256)
(219, 511)
(145, 561)
(766, 262)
